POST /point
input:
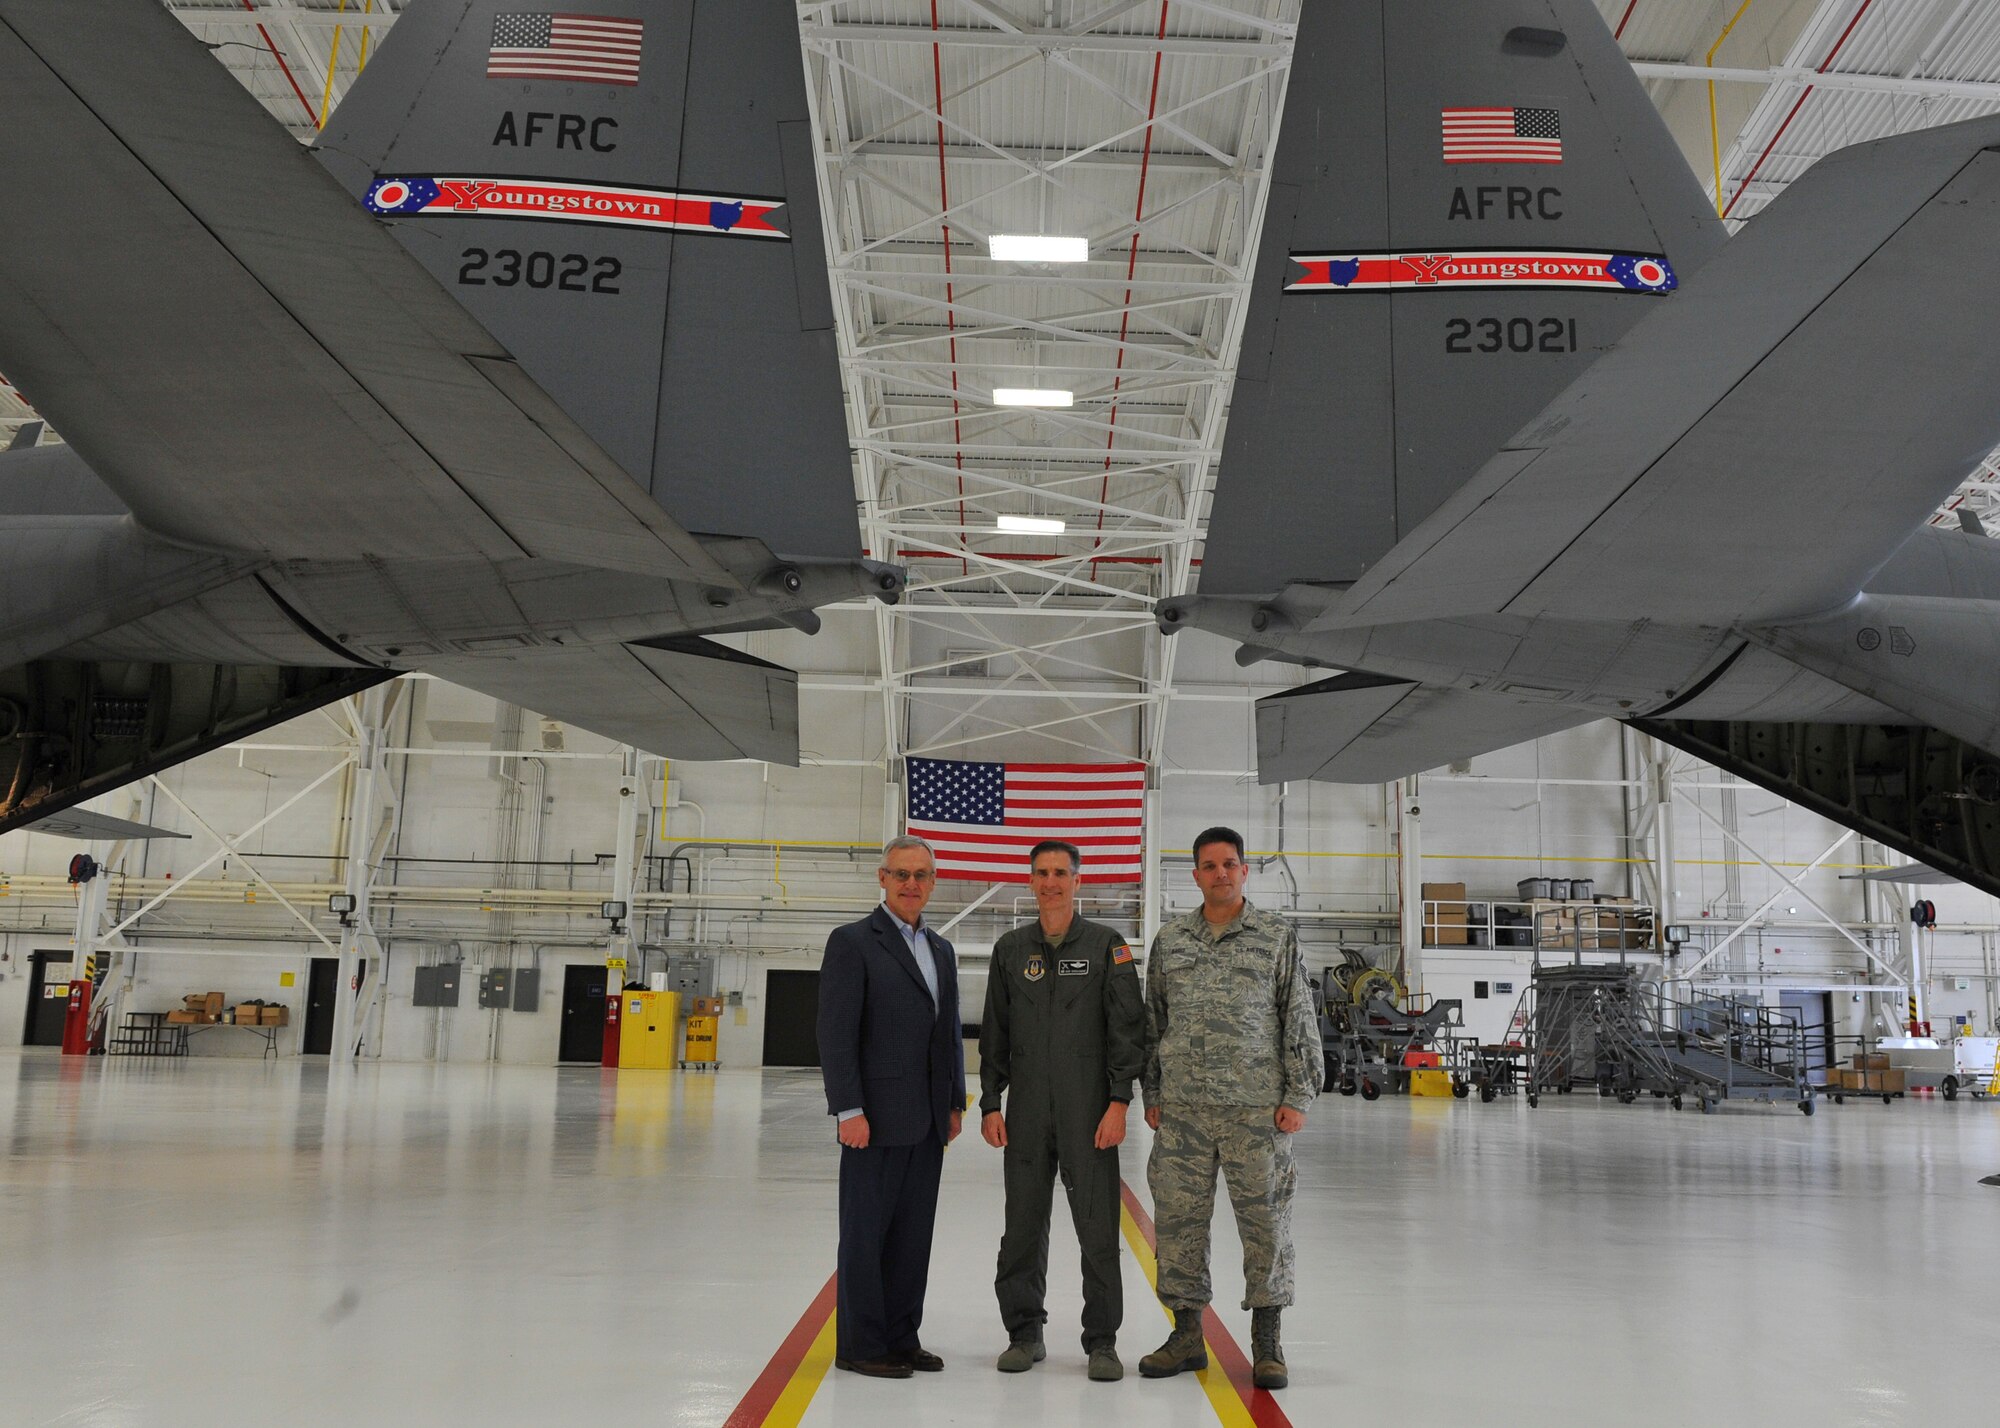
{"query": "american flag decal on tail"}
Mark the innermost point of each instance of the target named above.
(586, 49)
(1503, 136)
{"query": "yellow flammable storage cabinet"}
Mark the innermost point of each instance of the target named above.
(648, 1027)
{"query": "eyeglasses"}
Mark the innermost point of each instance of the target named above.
(904, 875)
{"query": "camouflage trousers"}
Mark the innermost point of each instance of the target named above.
(1255, 1159)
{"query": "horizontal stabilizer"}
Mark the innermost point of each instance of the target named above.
(1364, 728)
(90, 827)
(242, 353)
(1936, 660)
(1837, 356)
(1905, 875)
(684, 698)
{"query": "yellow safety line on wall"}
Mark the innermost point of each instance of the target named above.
(362, 64)
(1715, 129)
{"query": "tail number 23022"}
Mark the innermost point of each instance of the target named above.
(567, 272)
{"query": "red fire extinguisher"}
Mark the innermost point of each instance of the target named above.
(76, 1020)
(611, 1005)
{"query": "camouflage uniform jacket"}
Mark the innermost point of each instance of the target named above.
(1229, 1015)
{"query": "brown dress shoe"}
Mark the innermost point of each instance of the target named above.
(884, 1367)
(920, 1358)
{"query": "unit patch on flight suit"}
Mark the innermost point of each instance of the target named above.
(1035, 969)
(1073, 967)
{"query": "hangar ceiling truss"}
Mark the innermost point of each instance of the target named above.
(1144, 128)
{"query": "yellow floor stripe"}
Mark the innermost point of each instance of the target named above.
(798, 1395)
(1222, 1395)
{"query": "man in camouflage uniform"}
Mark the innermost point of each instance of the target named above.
(1233, 1060)
(1063, 1035)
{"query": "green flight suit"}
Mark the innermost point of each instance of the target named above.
(1063, 1035)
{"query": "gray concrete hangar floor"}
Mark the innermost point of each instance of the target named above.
(211, 1242)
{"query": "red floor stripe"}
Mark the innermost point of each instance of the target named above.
(763, 1395)
(1265, 1411)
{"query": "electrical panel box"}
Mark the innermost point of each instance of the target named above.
(692, 975)
(648, 1028)
(435, 986)
(495, 989)
(528, 989)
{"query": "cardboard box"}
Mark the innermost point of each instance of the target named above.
(1871, 1061)
(1444, 914)
(1553, 923)
(1872, 1082)
(248, 1015)
(183, 1018)
(275, 1016)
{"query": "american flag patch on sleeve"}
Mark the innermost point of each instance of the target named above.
(1121, 954)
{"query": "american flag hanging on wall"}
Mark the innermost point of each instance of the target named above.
(983, 818)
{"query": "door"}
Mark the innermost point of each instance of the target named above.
(791, 1019)
(48, 998)
(1814, 1013)
(320, 984)
(583, 1013)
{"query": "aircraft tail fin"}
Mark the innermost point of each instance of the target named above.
(1367, 728)
(689, 697)
(1471, 200)
(627, 201)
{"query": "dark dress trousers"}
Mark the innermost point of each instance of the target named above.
(887, 1048)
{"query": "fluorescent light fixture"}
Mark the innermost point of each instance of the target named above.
(1039, 248)
(1031, 397)
(1032, 525)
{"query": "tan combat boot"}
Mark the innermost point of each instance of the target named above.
(1268, 1355)
(1184, 1348)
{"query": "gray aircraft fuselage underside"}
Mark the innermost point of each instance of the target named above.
(1620, 669)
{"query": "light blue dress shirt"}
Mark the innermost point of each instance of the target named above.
(919, 943)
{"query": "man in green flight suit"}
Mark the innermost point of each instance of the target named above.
(1063, 1036)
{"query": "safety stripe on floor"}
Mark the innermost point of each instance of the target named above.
(1237, 1401)
(783, 1391)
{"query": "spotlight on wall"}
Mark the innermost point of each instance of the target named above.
(342, 905)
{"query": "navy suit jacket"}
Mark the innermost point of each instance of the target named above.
(883, 1045)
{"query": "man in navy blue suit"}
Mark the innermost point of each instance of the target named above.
(891, 1048)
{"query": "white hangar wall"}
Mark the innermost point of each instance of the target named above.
(502, 862)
